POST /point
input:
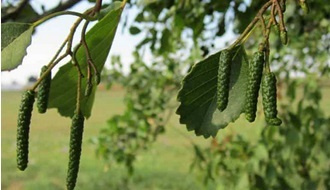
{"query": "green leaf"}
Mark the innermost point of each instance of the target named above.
(198, 109)
(27, 14)
(221, 27)
(165, 44)
(15, 38)
(107, 9)
(63, 92)
(134, 30)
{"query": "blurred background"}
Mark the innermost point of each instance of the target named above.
(133, 140)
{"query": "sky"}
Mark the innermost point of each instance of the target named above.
(50, 35)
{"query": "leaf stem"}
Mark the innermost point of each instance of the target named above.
(280, 15)
(44, 19)
(87, 52)
(83, 40)
(50, 67)
(78, 92)
(67, 41)
(98, 6)
(263, 24)
(272, 20)
(124, 2)
(71, 34)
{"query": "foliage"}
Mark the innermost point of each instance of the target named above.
(291, 156)
(89, 54)
(15, 38)
(177, 34)
(99, 38)
(193, 21)
(23, 129)
(149, 90)
(295, 154)
(198, 108)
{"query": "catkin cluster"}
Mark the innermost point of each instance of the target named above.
(43, 91)
(254, 80)
(76, 136)
(23, 129)
(223, 79)
(269, 99)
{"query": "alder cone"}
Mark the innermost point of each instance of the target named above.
(254, 80)
(23, 129)
(269, 99)
(223, 79)
(284, 37)
(43, 91)
(76, 136)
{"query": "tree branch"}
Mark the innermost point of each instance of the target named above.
(60, 7)
(12, 14)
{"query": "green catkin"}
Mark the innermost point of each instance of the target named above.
(23, 129)
(76, 136)
(269, 99)
(43, 91)
(284, 37)
(223, 79)
(254, 80)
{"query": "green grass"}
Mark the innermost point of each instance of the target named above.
(158, 168)
(164, 166)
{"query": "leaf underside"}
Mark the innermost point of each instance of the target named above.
(15, 38)
(63, 92)
(198, 108)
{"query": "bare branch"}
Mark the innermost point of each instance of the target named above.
(60, 7)
(12, 14)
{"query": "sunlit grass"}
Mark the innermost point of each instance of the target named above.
(164, 166)
(159, 168)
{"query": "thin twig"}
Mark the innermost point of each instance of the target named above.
(54, 60)
(84, 16)
(266, 49)
(280, 14)
(78, 94)
(75, 63)
(57, 53)
(98, 6)
(263, 24)
(74, 28)
(273, 13)
(270, 22)
(50, 67)
(15, 11)
(248, 29)
(88, 56)
(71, 35)
(64, 5)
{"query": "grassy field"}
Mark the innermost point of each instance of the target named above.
(164, 166)
(158, 168)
